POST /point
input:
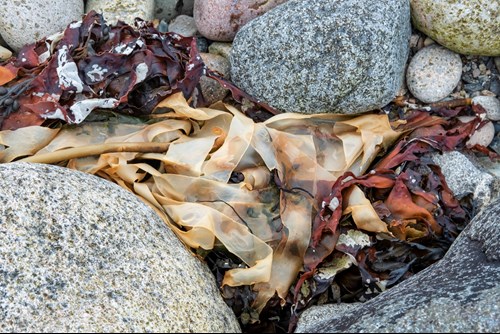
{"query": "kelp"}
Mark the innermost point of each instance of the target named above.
(289, 210)
(92, 65)
(299, 204)
(265, 224)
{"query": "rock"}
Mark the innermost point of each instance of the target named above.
(483, 136)
(211, 89)
(491, 104)
(458, 294)
(433, 73)
(221, 49)
(183, 25)
(5, 53)
(81, 254)
(124, 10)
(168, 9)
(465, 177)
(343, 56)
(497, 63)
(466, 26)
(219, 20)
(24, 22)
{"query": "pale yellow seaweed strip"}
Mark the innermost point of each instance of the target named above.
(84, 151)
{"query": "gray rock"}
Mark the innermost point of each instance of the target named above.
(168, 9)
(211, 89)
(458, 294)
(433, 73)
(491, 104)
(80, 254)
(466, 177)
(330, 56)
(465, 26)
(221, 49)
(123, 10)
(183, 25)
(24, 22)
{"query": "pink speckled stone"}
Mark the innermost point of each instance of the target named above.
(220, 20)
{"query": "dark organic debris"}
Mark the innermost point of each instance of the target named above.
(93, 65)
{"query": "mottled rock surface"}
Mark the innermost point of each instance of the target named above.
(433, 73)
(220, 20)
(458, 294)
(465, 177)
(80, 254)
(124, 10)
(24, 22)
(211, 89)
(343, 56)
(466, 26)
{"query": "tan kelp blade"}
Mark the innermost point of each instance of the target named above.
(286, 165)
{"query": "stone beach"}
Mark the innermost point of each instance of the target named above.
(127, 271)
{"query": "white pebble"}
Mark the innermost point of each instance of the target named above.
(433, 73)
(491, 104)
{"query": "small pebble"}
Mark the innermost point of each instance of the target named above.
(484, 136)
(5, 53)
(183, 25)
(220, 48)
(491, 104)
(497, 63)
(211, 89)
(433, 73)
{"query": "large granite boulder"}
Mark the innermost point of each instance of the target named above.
(460, 293)
(466, 26)
(80, 254)
(319, 56)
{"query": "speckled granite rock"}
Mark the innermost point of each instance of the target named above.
(344, 56)
(465, 26)
(433, 73)
(460, 293)
(124, 10)
(465, 177)
(80, 254)
(24, 22)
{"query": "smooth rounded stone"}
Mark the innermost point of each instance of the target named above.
(219, 20)
(123, 10)
(497, 63)
(491, 104)
(345, 56)
(466, 177)
(24, 22)
(483, 136)
(466, 26)
(458, 294)
(183, 25)
(5, 53)
(81, 254)
(221, 49)
(433, 73)
(168, 9)
(212, 91)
